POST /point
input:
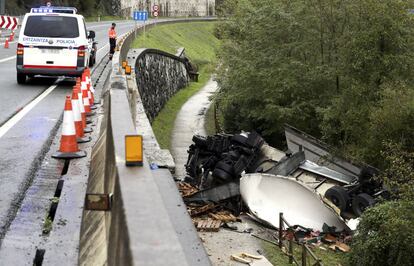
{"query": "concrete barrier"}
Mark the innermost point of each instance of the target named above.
(148, 223)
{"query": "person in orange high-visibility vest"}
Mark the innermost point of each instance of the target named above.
(112, 40)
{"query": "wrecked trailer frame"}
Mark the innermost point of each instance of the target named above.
(358, 193)
(216, 163)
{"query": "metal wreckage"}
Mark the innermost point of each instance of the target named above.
(309, 185)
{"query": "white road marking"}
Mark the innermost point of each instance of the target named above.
(17, 117)
(7, 59)
(2, 43)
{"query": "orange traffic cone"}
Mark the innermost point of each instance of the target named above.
(68, 145)
(90, 97)
(83, 113)
(86, 104)
(80, 133)
(6, 44)
(11, 37)
(90, 87)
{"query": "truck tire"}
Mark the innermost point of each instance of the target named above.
(360, 202)
(21, 78)
(338, 196)
(222, 175)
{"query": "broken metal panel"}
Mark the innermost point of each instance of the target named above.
(318, 152)
(287, 165)
(268, 195)
(326, 172)
(215, 194)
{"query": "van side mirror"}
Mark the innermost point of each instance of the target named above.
(91, 34)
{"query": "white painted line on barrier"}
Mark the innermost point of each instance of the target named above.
(17, 117)
(7, 59)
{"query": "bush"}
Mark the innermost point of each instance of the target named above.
(385, 235)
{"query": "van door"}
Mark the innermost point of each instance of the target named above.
(52, 41)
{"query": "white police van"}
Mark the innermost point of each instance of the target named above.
(53, 41)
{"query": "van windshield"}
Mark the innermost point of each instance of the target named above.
(51, 26)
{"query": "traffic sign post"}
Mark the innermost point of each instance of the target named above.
(140, 16)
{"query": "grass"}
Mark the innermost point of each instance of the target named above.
(277, 257)
(209, 120)
(104, 18)
(200, 46)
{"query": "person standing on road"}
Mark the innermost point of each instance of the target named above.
(112, 40)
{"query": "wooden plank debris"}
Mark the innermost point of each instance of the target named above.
(194, 211)
(186, 189)
(208, 225)
(223, 216)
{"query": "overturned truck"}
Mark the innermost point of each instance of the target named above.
(226, 166)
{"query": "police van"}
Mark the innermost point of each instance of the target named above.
(54, 41)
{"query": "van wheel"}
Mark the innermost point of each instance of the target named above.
(21, 78)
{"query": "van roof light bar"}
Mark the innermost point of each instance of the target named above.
(54, 9)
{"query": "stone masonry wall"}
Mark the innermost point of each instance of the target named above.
(159, 76)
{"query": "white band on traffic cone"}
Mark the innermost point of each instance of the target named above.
(68, 125)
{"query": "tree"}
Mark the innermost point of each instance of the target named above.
(385, 236)
(331, 68)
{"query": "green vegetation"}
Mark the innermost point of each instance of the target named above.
(200, 46)
(47, 225)
(342, 72)
(209, 121)
(385, 235)
(277, 257)
(104, 18)
(339, 70)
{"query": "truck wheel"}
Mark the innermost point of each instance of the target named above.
(21, 78)
(360, 202)
(338, 196)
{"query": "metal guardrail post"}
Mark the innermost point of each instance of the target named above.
(280, 229)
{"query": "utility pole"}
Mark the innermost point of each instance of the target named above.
(2, 7)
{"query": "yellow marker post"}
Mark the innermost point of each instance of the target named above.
(133, 150)
(128, 70)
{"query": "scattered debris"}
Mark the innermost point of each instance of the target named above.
(208, 225)
(223, 216)
(320, 194)
(186, 189)
(197, 210)
(340, 246)
(250, 259)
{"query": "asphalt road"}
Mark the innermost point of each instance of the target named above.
(29, 116)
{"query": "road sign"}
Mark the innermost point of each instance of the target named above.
(7, 22)
(141, 15)
(155, 13)
(155, 8)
